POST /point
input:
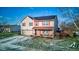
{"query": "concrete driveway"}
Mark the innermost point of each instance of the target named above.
(7, 43)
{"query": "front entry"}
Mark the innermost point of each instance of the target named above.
(35, 32)
(44, 33)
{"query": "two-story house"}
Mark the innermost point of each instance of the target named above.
(39, 26)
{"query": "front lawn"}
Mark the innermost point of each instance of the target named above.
(6, 34)
(69, 44)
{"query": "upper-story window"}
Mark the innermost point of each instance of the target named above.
(46, 23)
(23, 24)
(30, 24)
(37, 23)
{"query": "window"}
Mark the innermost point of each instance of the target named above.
(24, 24)
(45, 23)
(36, 24)
(30, 24)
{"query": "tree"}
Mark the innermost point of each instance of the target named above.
(70, 14)
(63, 25)
(3, 23)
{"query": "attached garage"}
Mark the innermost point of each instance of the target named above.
(27, 32)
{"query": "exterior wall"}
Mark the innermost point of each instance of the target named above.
(50, 33)
(7, 29)
(15, 28)
(26, 30)
(40, 23)
(38, 33)
(51, 23)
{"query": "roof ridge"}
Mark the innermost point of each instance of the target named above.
(45, 17)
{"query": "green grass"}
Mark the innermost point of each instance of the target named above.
(6, 34)
(68, 42)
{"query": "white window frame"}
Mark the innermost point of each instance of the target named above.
(45, 23)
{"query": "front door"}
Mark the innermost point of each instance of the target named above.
(35, 32)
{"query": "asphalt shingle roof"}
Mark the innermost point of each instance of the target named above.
(44, 17)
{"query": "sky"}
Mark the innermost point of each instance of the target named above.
(14, 15)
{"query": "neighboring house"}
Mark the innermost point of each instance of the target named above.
(9, 28)
(15, 28)
(39, 26)
(4, 28)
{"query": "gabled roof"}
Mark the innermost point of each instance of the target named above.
(42, 17)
